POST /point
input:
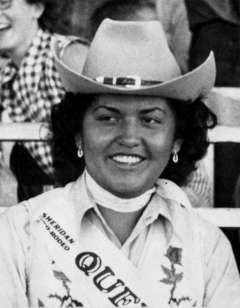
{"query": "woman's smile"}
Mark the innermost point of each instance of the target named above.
(4, 26)
(127, 159)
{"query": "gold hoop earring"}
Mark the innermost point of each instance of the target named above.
(175, 157)
(80, 152)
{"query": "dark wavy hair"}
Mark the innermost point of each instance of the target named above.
(57, 15)
(192, 122)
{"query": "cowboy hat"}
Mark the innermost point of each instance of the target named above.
(134, 58)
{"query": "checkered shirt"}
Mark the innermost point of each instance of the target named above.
(28, 93)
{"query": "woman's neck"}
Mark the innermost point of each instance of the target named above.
(20, 51)
(122, 224)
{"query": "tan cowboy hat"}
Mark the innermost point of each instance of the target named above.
(133, 58)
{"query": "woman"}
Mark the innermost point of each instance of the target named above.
(122, 235)
(29, 83)
(174, 21)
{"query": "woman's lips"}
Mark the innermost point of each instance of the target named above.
(4, 27)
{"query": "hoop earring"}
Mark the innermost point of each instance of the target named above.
(79, 152)
(175, 157)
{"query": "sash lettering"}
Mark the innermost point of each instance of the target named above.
(106, 281)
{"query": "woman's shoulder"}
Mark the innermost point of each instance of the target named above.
(207, 236)
(185, 218)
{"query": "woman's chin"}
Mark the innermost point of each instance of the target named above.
(126, 190)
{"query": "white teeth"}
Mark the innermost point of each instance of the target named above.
(2, 27)
(127, 159)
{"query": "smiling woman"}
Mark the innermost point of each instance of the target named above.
(123, 233)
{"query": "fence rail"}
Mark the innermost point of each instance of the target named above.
(24, 131)
(221, 217)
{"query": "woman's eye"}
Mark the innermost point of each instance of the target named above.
(107, 118)
(152, 120)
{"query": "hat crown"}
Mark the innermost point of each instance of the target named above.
(131, 48)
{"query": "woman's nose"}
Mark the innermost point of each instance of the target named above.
(129, 134)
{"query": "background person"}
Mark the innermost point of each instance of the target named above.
(172, 14)
(30, 85)
(215, 25)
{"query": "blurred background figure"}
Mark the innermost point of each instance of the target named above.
(30, 84)
(215, 25)
(172, 14)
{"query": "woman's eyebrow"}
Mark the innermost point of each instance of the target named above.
(108, 108)
(153, 109)
(145, 110)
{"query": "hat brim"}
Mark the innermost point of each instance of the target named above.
(188, 87)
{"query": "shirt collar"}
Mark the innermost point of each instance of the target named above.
(170, 191)
(176, 206)
(168, 197)
(39, 43)
(80, 197)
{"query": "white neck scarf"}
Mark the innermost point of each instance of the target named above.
(104, 198)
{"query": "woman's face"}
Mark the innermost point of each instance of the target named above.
(18, 26)
(127, 142)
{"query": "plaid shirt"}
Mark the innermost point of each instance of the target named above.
(28, 93)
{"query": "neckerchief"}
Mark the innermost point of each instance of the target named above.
(106, 199)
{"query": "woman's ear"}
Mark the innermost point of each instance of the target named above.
(38, 9)
(78, 140)
(177, 145)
